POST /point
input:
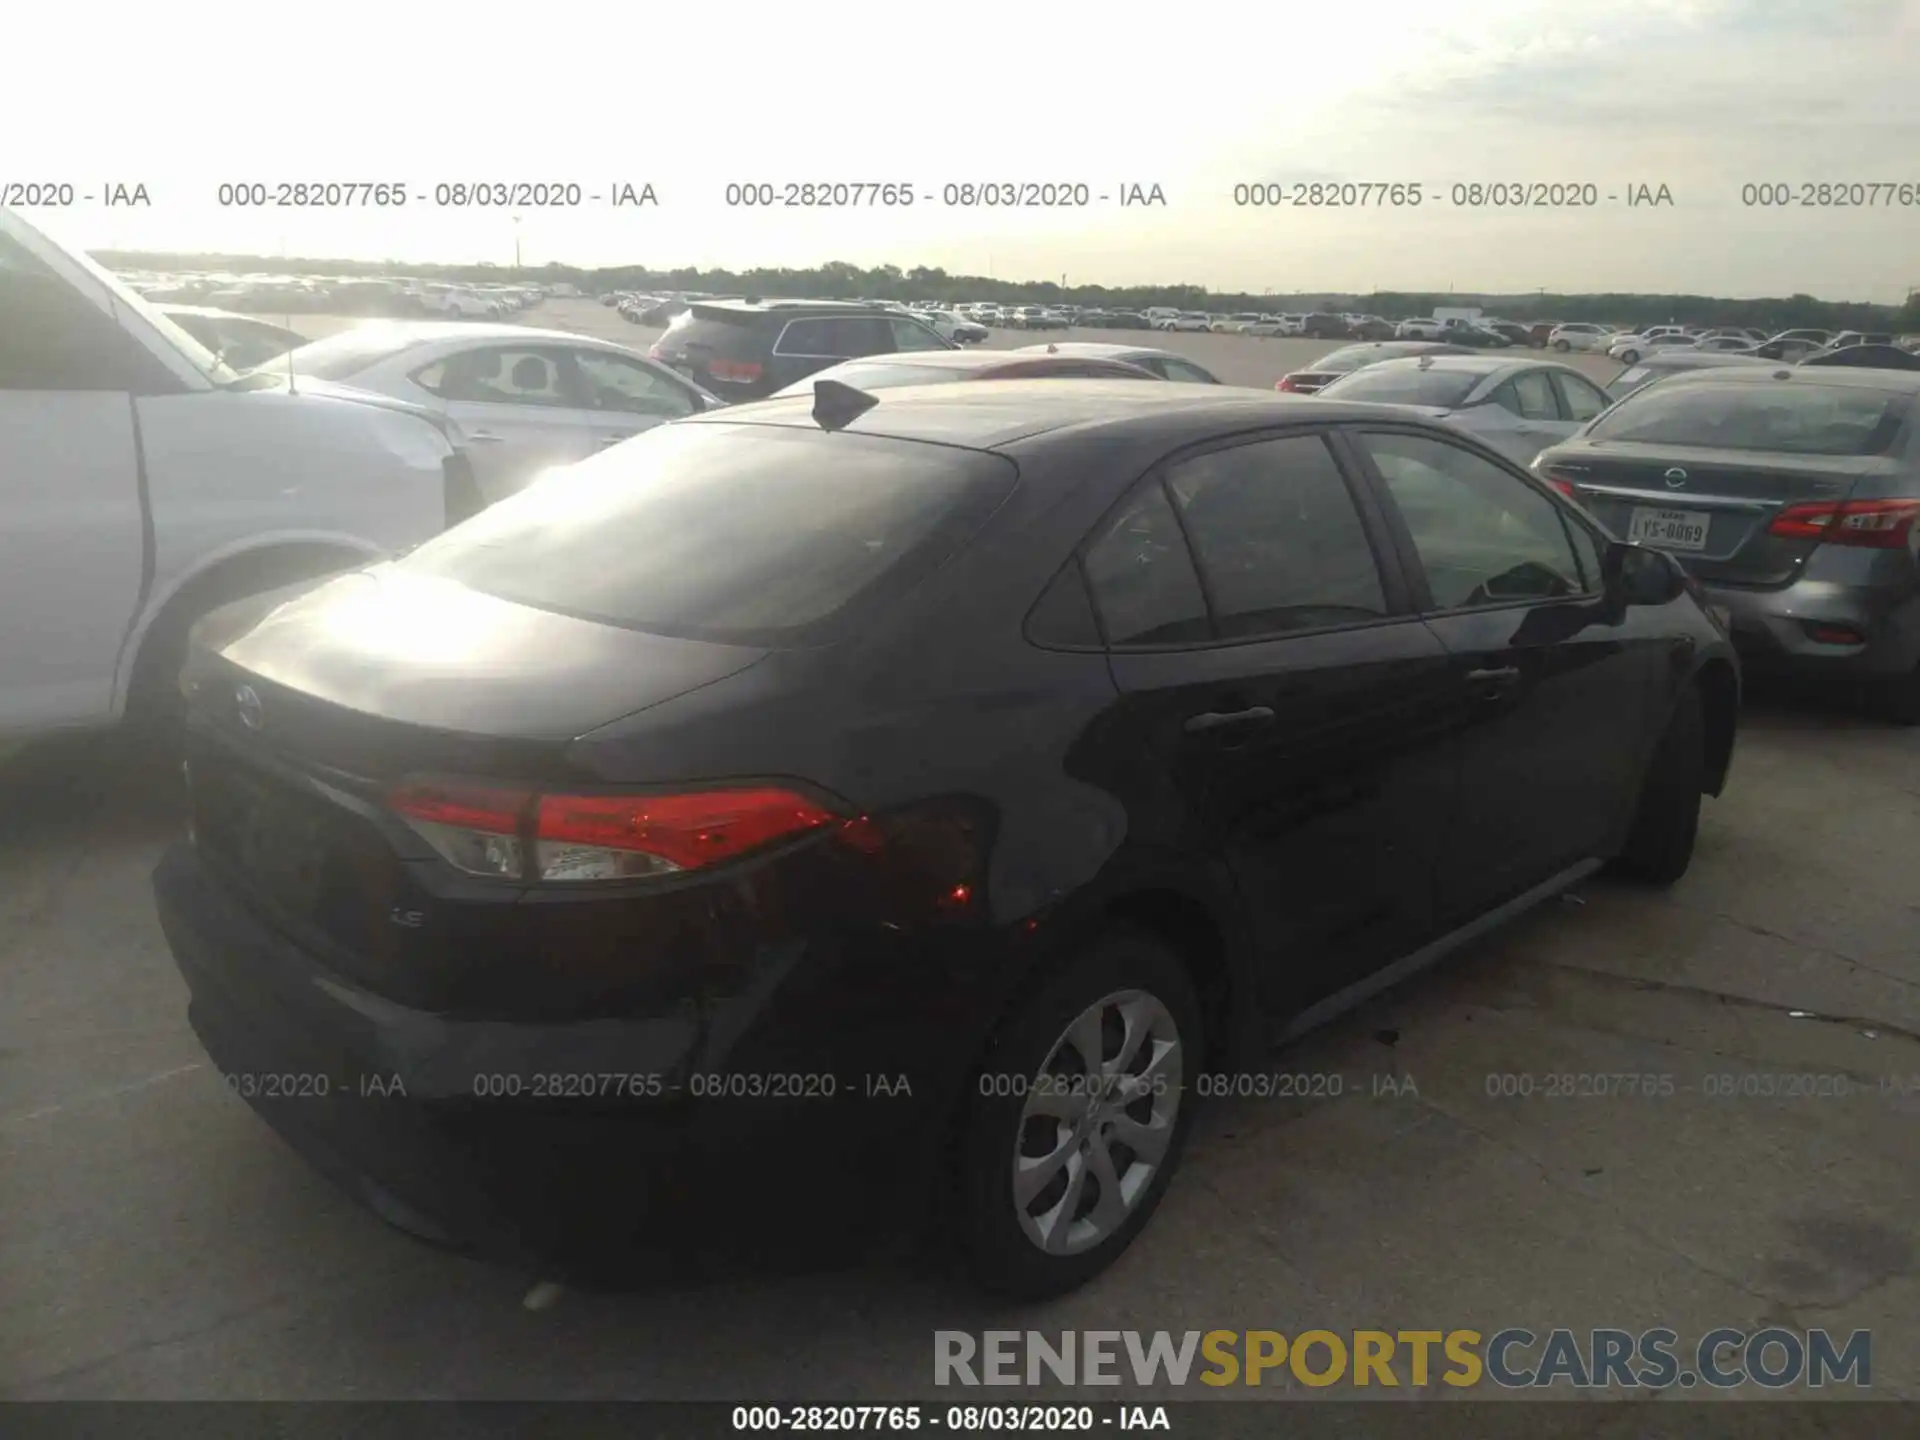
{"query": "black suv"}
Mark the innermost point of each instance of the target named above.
(748, 349)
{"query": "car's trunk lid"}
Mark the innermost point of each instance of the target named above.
(306, 707)
(1730, 497)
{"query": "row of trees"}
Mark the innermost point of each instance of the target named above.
(924, 283)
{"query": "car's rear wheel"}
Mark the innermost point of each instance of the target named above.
(1898, 699)
(1078, 1121)
(1562, 346)
(1630, 357)
(1659, 847)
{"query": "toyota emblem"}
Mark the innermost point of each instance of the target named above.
(1675, 478)
(246, 701)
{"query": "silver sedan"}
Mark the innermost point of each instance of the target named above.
(1519, 407)
(520, 400)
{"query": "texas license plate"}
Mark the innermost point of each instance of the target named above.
(1669, 529)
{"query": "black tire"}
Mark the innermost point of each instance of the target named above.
(1660, 845)
(1897, 700)
(1631, 357)
(1562, 346)
(998, 1254)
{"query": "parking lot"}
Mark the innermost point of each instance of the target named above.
(1471, 1159)
(157, 1241)
(1236, 359)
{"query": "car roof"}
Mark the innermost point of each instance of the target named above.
(943, 359)
(996, 414)
(1473, 364)
(424, 331)
(214, 312)
(1095, 350)
(1701, 360)
(787, 307)
(1393, 350)
(1844, 377)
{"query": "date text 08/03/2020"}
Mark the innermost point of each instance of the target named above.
(953, 1419)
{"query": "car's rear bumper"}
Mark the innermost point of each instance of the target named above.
(1776, 629)
(544, 1145)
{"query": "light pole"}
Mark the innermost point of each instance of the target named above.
(516, 242)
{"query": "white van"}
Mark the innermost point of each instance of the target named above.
(144, 482)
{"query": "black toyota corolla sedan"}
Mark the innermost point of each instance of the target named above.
(877, 814)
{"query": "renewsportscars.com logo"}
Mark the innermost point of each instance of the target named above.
(1513, 1359)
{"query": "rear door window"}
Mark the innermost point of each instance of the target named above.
(857, 335)
(1580, 399)
(499, 375)
(808, 339)
(1533, 397)
(1141, 572)
(1279, 540)
(740, 534)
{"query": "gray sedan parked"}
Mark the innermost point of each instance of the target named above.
(1792, 494)
(1519, 407)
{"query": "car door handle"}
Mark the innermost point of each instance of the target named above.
(1500, 677)
(483, 437)
(607, 440)
(1216, 719)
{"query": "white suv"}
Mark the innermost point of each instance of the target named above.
(143, 482)
(1579, 335)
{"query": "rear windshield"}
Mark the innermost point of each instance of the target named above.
(1629, 380)
(727, 335)
(1352, 357)
(741, 534)
(348, 353)
(1394, 385)
(880, 375)
(1790, 419)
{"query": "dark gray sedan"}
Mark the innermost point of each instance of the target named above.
(1792, 493)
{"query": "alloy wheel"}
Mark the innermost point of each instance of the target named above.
(1097, 1122)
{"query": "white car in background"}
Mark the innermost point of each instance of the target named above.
(145, 482)
(1238, 324)
(1628, 349)
(949, 325)
(1581, 335)
(517, 400)
(952, 325)
(1187, 320)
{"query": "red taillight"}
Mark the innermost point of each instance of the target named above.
(1875, 524)
(497, 811)
(1834, 634)
(683, 832)
(1286, 383)
(744, 372)
(516, 834)
(1564, 481)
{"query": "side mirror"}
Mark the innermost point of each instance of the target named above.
(1635, 575)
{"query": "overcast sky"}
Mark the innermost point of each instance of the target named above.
(1702, 96)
